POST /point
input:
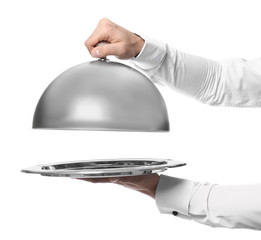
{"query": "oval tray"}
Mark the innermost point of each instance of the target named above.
(105, 167)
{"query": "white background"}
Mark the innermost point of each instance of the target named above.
(41, 39)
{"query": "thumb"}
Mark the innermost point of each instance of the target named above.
(107, 49)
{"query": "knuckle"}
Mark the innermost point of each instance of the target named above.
(106, 25)
(104, 21)
(86, 43)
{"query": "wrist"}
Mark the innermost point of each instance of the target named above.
(154, 185)
(139, 43)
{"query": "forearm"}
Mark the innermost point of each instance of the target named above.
(228, 206)
(232, 82)
(195, 76)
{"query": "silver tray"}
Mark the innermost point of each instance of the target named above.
(105, 167)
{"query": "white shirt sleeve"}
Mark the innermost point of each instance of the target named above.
(231, 206)
(232, 82)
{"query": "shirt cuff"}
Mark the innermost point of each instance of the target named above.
(151, 55)
(173, 195)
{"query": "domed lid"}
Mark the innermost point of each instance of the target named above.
(102, 95)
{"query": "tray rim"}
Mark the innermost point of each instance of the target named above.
(111, 172)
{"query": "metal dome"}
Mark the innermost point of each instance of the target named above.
(101, 95)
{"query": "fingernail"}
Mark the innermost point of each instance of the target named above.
(96, 53)
(114, 180)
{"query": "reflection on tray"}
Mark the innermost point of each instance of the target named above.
(101, 165)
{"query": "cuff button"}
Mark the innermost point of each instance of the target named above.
(175, 213)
